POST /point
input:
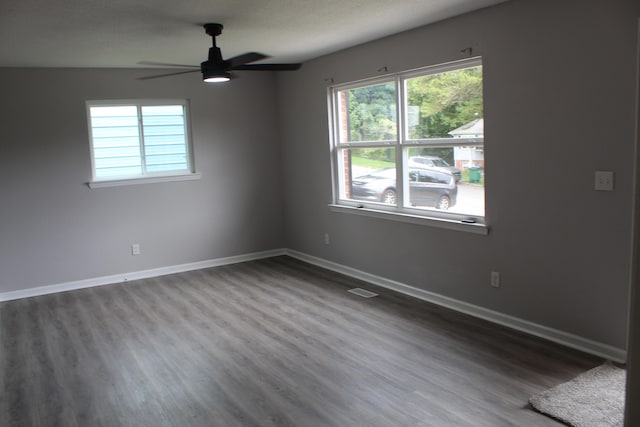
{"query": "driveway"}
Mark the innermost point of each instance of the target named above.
(470, 199)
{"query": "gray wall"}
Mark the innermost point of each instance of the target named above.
(633, 361)
(559, 104)
(54, 229)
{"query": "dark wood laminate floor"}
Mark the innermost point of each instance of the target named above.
(274, 342)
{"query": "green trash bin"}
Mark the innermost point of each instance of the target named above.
(474, 175)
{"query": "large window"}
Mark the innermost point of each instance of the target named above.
(138, 139)
(412, 143)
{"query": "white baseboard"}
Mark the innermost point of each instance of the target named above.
(551, 334)
(135, 275)
(564, 338)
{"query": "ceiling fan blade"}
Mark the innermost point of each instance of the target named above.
(167, 75)
(245, 58)
(162, 64)
(268, 67)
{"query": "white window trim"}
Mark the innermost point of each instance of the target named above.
(446, 223)
(451, 221)
(148, 178)
(145, 180)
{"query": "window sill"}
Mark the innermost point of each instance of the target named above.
(148, 180)
(413, 219)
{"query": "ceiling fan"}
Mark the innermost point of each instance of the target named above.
(216, 69)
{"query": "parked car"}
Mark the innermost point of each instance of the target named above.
(427, 187)
(435, 163)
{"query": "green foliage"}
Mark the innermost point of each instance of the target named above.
(372, 113)
(442, 102)
(446, 100)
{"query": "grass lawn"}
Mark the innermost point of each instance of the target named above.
(370, 163)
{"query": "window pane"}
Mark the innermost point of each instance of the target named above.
(368, 174)
(447, 178)
(367, 113)
(164, 138)
(437, 105)
(116, 141)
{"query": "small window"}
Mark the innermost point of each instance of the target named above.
(412, 142)
(139, 139)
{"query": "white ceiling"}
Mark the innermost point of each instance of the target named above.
(120, 33)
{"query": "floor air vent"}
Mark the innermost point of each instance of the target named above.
(363, 293)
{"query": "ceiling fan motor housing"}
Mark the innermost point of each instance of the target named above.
(213, 29)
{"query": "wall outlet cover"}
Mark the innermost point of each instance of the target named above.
(495, 279)
(604, 181)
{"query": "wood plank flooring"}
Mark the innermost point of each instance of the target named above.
(274, 342)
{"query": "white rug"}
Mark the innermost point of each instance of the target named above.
(592, 399)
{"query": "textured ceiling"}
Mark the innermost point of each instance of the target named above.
(120, 33)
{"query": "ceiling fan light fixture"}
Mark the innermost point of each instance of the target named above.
(216, 76)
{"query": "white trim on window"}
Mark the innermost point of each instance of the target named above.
(151, 180)
(467, 225)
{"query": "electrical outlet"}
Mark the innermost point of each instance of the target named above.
(326, 239)
(135, 249)
(495, 279)
(604, 181)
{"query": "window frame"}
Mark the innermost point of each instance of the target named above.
(402, 211)
(189, 173)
